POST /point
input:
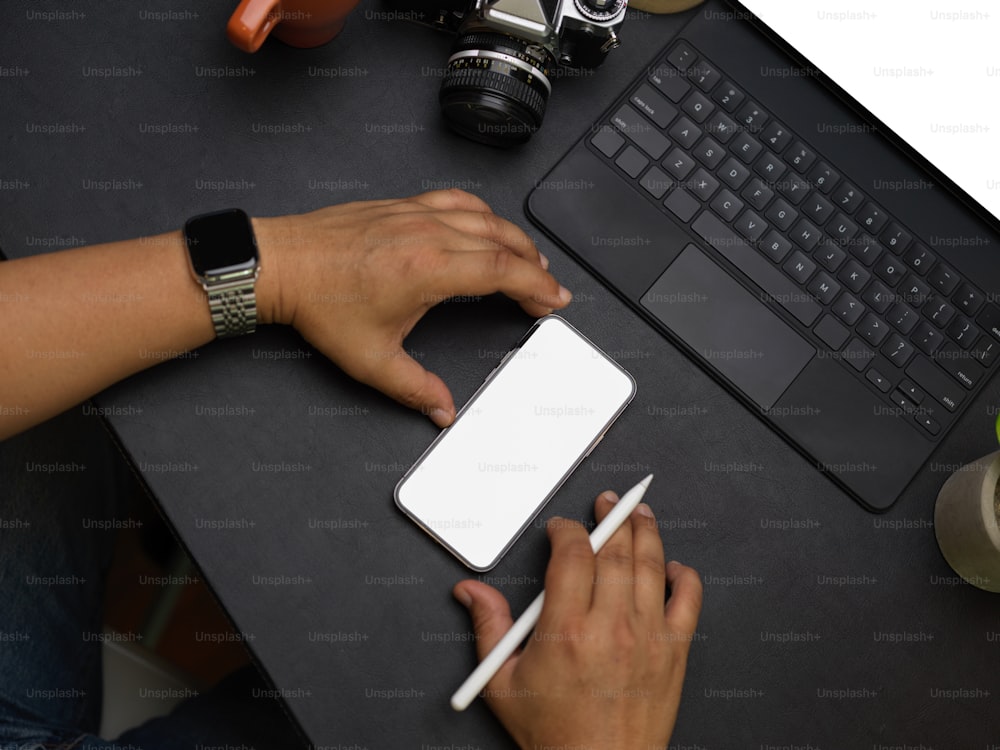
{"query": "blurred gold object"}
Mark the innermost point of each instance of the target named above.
(663, 6)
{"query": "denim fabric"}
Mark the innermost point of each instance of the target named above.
(61, 490)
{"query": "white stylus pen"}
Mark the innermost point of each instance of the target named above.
(506, 646)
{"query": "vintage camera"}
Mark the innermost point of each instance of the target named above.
(497, 81)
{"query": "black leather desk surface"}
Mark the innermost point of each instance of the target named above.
(823, 626)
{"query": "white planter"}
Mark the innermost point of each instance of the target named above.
(966, 522)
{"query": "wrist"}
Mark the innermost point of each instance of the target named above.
(273, 235)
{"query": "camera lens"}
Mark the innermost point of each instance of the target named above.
(495, 88)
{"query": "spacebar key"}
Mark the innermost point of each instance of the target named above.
(737, 251)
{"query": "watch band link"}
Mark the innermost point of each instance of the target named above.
(233, 307)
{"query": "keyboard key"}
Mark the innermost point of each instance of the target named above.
(846, 197)
(985, 350)
(938, 385)
(889, 269)
(963, 333)
(728, 96)
(670, 82)
(752, 117)
(782, 214)
(774, 246)
(943, 279)
(818, 208)
(824, 288)
(873, 330)
(757, 268)
(733, 173)
(682, 56)
(928, 423)
(679, 164)
(727, 205)
(879, 380)
(685, 132)
(769, 166)
(831, 332)
(824, 177)
(640, 131)
(745, 148)
(926, 338)
(703, 184)
(968, 299)
(989, 319)
(854, 276)
(866, 249)
(903, 317)
(914, 291)
(792, 187)
(682, 204)
(750, 225)
(898, 350)
(704, 75)
(960, 364)
(830, 256)
(709, 152)
(805, 235)
(848, 309)
(902, 402)
(878, 297)
(871, 218)
(721, 126)
(776, 136)
(857, 355)
(919, 258)
(698, 106)
(654, 106)
(939, 312)
(757, 194)
(632, 162)
(842, 229)
(799, 267)
(895, 238)
(656, 182)
(607, 141)
(912, 392)
(800, 156)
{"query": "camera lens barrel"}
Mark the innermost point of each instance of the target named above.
(495, 88)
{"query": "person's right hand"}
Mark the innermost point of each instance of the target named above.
(354, 279)
(605, 664)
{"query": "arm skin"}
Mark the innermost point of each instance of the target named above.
(353, 279)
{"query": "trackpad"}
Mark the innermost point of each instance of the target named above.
(738, 335)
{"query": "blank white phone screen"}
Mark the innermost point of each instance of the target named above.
(487, 476)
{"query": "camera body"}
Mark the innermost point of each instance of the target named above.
(496, 84)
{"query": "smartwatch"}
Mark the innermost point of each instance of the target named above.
(223, 253)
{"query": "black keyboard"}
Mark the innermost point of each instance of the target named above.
(853, 280)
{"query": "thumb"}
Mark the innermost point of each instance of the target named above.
(489, 610)
(401, 377)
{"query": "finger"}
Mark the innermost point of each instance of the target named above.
(648, 564)
(489, 610)
(400, 377)
(492, 271)
(614, 575)
(487, 231)
(569, 579)
(682, 609)
(452, 199)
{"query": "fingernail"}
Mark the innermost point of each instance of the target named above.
(645, 510)
(440, 417)
(673, 562)
(463, 596)
(610, 496)
(565, 294)
(544, 261)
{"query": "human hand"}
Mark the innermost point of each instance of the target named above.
(605, 664)
(354, 279)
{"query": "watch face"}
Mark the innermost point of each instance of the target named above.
(221, 243)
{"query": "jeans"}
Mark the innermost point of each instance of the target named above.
(60, 485)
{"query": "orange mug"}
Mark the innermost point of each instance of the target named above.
(300, 23)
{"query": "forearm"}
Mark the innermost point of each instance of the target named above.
(76, 321)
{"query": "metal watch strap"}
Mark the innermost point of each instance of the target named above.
(233, 306)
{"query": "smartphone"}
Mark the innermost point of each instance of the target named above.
(535, 418)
